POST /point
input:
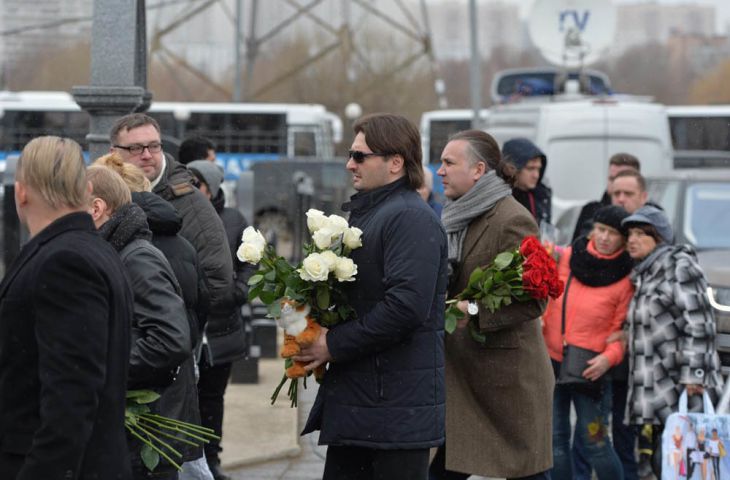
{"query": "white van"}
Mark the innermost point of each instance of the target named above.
(578, 138)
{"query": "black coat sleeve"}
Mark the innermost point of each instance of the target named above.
(161, 332)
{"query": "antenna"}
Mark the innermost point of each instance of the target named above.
(572, 33)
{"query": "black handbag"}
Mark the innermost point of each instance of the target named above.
(575, 359)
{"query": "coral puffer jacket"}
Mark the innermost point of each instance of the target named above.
(592, 313)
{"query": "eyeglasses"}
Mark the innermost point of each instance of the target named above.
(360, 157)
(138, 149)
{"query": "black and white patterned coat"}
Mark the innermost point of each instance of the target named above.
(671, 335)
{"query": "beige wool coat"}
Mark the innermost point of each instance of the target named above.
(499, 394)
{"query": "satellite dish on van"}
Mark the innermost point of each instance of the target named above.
(572, 33)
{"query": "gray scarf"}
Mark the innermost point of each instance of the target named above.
(458, 214)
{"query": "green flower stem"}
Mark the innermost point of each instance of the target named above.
(153, 447)
(275, 395)
(169, 435)
(178, 428)
(154, 437)
(191, 426)
(293, 387)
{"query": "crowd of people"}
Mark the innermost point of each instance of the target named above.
(130, 281)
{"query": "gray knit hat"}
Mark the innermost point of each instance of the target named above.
(654, 217)
(208, 173)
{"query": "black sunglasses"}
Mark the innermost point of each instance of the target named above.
(360, 157)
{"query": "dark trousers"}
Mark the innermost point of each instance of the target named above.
(624, 439)
(438, 471)
(359, 463)
(211, 389)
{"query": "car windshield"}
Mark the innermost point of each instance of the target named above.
(707, 215)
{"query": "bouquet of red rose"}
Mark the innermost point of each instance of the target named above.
(526, 273)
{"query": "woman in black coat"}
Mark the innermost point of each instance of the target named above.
(161, 355)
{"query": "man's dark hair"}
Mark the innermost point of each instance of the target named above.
(392, 134)
(194, 148)
(625, 160)
(484, 148)
(630, 172)
(130, 122)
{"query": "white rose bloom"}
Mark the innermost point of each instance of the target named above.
(345, 269)
(352, 238)
(314, 268)
(337, 223)
(316, 219)
(253, 236)
(250, 252)
(330, 258)
(323, 237)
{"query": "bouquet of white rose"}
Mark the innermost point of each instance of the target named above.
(305, 297)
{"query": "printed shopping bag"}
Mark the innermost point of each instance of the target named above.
(694, 445)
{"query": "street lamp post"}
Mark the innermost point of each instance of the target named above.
(118, 83)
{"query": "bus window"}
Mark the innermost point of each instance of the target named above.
(258, 133)
(439, 134)
(305, 144)
(700, 133)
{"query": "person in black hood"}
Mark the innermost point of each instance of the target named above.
(161, 355)
(529, 189)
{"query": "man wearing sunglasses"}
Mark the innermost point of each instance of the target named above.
(381, 405)
(136, 137)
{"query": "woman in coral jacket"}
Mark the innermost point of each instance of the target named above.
(598, 291)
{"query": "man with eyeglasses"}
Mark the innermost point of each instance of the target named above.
(136, 137)
(381, 405)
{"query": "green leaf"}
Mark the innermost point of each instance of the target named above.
(255, 279)
(323, 297)
(255, 292)
(475, 276)
(150, 458)
(502, 290)
(450, 324)
(136, 409)
(503, 260)
(487, 285)
(270, 275)
(268, 297)
(274, 309)
(283, 266)
(142, 396)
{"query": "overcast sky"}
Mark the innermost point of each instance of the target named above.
(722, 7)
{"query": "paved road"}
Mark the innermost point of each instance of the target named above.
(306, 463)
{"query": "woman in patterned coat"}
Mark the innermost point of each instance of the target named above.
(671, 326)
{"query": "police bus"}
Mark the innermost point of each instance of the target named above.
(243, 133)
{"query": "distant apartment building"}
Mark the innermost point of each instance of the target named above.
(642, 23)
(499, 25)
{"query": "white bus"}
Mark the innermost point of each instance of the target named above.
(243, 132)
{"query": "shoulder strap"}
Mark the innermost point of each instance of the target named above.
(565, 302)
